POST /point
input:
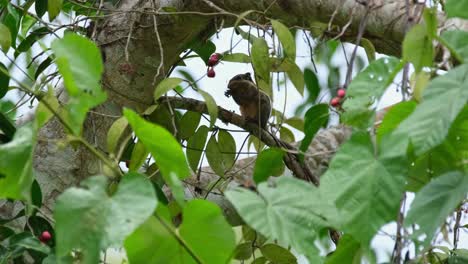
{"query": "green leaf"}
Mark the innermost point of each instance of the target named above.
(43, 112)
(114, 134)
(207, 232)
(394, 117)
(368, 86)
(195, 146)
(243, 251)
(457, 40)
(435, 202)
(237, 57)
(369, 48)
(165, 86)
(214, 156)
(242, 16)
(312, 84)
(456, 8)
(365, 188)
(289, 210)
(204, 49)
(188, 124)
(79, 62)
(54, 7)
(417, 47)
(429, 124)
(204, 231)
(269, 163)
(11, 18)
(46, 63)
(295, 122)
(40, 7)
(286, 39)
(5, 38)
(139, 155)
(446, 157)
(287, 135)
(348, 251)
(315, 118)
(16, 173)
(83, 216)
(33, 37)
(166, 151)
(27, 241)
(277, 254)
(227, 147)
(211, 105)
(4, 80)
(260, 63)
(296, 76)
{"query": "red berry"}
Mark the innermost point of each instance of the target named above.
(211, 73)
(213, 60)
(335, 102)
(45, 237)
(341, 93)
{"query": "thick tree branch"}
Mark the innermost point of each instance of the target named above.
(291, 158)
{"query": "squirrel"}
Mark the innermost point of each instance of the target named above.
(255, 105)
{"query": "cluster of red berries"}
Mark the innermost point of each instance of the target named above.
(212, 61)
(336, 101)
(45, 237)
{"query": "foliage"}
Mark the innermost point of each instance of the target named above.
(420, 147)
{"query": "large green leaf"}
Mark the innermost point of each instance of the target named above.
(442, 100)
(366, 188)
(269, 163)
(165, 86)
(435, 202)
(289, 210)
(456, 8)
(457, 40)
(165, 149)
(204, 231)
(394, 117)
(90, 220)
(260, 63)
(16, 174)
(5, 38)
(315, 118)
(207, 232)
(286, 39)
(188, 124)
(227, 147)
(214, 156)
(195, 146)
(312, 84)
(366, 88)
(79, 62)
(446, 157)
(54, 7)
(417, 47)
(211, 105)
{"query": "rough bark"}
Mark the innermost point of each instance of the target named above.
(128, 38)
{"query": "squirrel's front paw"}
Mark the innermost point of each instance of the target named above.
(227, 94)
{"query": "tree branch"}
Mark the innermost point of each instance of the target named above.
(291, 159)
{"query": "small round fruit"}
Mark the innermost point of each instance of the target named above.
(45, 237)
(213, 60)
(341, 93)
(211, 73)
(335, 102)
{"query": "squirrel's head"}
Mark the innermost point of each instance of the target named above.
(245, 76)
